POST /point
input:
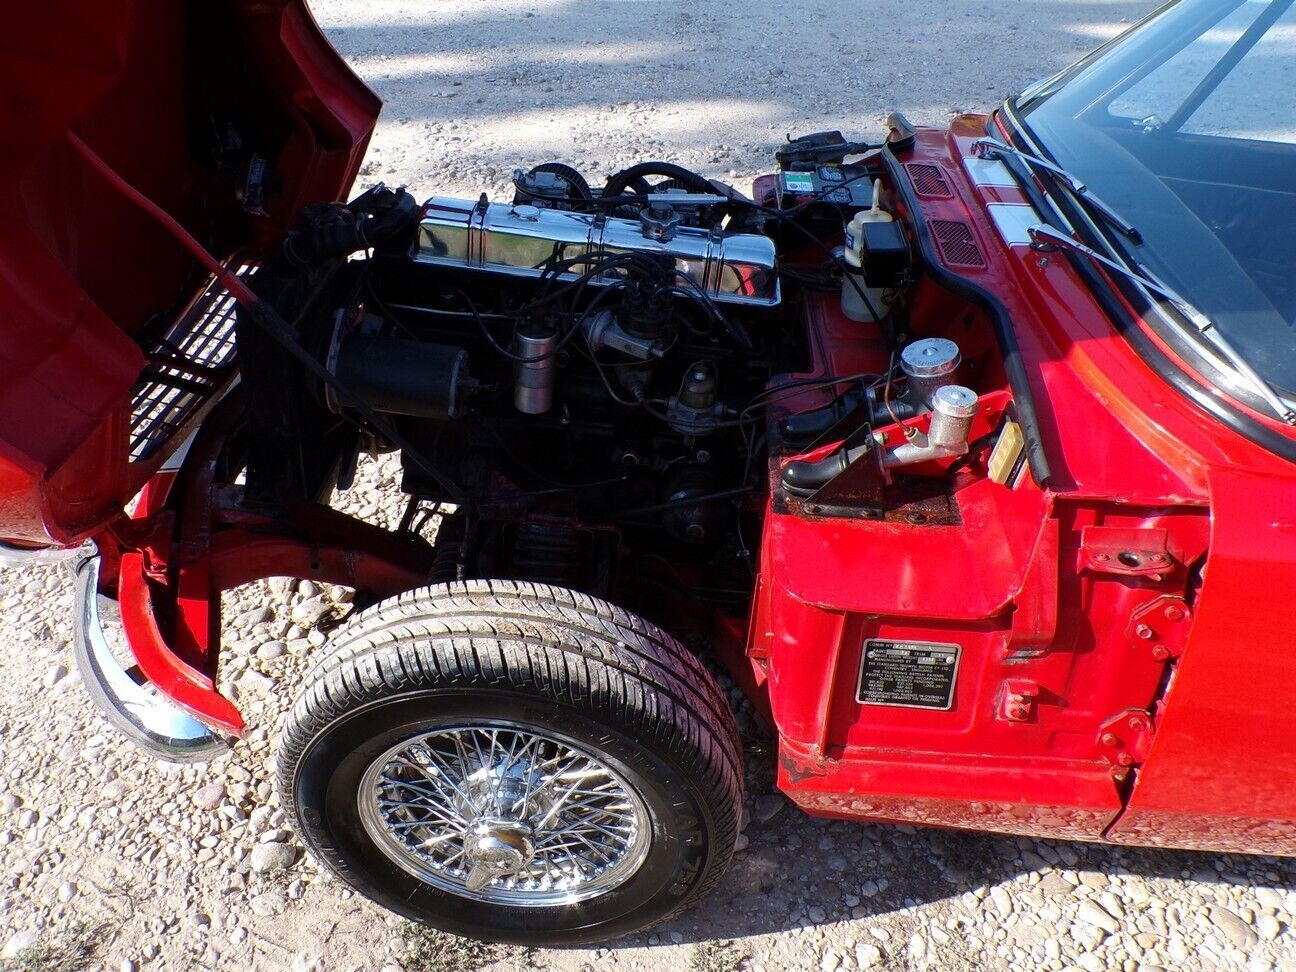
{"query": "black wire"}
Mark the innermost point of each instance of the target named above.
(808, 384)
(562, 342)
(736, 331)
(848, 272)
(367, 283)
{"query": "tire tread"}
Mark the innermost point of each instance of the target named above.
(542, 641)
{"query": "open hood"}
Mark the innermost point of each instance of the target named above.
(230, 116)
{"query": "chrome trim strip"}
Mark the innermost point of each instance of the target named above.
(142, 714)
(989, 172)
(1014, 221)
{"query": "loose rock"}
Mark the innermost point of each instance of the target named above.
(19, 943)
(209, 797)
(1233, 928)
(1096, 915)
(272, 857)
(768, 807)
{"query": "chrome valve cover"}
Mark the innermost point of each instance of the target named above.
(737, 268)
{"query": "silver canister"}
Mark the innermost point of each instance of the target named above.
(953, 408)
(533, 377)
(929, 364)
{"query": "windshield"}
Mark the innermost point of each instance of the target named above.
(1187, 127)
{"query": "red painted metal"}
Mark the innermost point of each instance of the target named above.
(230, 546)
(210, 542)
(73, 282)
(1051, 592)
(1221, 770)
(183, 683)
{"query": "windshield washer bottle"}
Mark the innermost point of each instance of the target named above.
(853, 305)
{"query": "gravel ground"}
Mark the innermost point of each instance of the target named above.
(112, 861)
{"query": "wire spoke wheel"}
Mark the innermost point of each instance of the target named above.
(504, 813)
(514, 762)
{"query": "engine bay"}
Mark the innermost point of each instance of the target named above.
(609, 389)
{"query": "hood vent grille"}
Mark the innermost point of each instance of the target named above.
(954, 240)
(185, 370)
(929, 181)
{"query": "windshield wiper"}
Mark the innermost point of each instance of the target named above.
(988, 147)
(1048, 236)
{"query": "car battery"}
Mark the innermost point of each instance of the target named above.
(845, 185)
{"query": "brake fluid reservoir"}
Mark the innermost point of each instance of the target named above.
(853, 305)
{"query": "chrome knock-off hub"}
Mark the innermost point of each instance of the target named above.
(496, 848)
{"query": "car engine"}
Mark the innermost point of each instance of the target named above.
(601, 389)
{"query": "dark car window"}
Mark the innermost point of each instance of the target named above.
(1187, 126)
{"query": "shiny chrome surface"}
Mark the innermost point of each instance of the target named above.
(737, 268)
(147, 718)
(503, 813)
(23, 557)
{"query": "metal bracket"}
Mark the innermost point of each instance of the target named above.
(1125, 738)
(1017, 699)
(859, 490)
(1132, 553)
(1160, 626)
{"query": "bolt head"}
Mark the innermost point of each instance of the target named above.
(1160, 652)
(1144, 632)
(1135, 722)
(1109, 739)
(1125, 759)
(1174, 612)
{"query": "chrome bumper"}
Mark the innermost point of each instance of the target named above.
(147, 718)
(22, 557)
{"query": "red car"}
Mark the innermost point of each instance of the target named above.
(968, 453)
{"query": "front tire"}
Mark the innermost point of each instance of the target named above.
(514, 762)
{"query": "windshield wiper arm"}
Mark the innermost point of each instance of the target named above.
(1047, 236)
(987, 147)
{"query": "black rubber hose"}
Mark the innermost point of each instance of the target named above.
(1014, 367)
(622, 180)
(801, 478)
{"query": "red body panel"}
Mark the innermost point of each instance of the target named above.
(81, 269)
(1091, 702)
(1222, 768)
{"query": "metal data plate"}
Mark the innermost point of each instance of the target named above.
(909, 674)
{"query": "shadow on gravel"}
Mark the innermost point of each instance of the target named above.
(496, 61)
(800, 872)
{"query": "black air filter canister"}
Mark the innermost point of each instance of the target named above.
(403, 377)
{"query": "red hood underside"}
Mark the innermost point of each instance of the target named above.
(231, 116)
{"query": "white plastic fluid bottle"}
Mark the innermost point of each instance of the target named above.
(853, 305)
